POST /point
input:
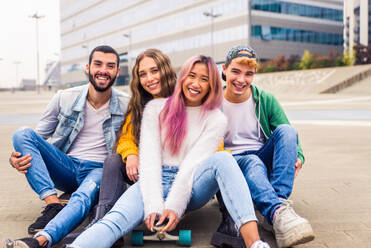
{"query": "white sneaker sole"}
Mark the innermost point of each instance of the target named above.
(300, 234)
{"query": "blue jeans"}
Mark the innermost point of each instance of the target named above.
(219, 171)
(52, 169)
(270, 171)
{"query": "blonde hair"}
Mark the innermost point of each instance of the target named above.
(250, 62)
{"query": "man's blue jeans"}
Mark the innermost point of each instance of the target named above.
(219, 171)
(270, 171)
(52, 169)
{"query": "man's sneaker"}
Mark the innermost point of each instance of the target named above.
(227, 233)
(290, 229)
(22, 243)
(260, 244)
(50, 211)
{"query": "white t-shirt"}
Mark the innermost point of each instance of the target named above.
(243, 132)
(90, 143)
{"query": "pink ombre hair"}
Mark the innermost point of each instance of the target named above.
(174, 116)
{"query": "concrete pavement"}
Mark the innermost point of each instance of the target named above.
(332, 191)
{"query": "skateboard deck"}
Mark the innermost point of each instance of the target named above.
(183, 239)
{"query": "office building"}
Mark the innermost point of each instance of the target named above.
(357, 23)
(182, 28)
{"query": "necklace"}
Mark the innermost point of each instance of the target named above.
(91, 102)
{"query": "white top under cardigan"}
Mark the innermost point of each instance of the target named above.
(203, 136)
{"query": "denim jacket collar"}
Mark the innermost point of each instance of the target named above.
(80, 102)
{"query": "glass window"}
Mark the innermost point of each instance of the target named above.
(274, 32)
(285, 7)
(303, 36)
(296, 35)
(266, 33)
(302, 10)
(310, 11)
(273, 7)
(256, 31)
(288, 34)
(281, 35)
(297, 9)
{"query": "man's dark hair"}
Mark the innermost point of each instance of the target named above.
(104, 49)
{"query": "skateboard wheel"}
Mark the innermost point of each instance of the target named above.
(137, 238)
(185, 238)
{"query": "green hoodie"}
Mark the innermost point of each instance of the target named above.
(270, 114)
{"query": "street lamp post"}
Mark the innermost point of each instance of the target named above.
(212, 16)
(37, 17)
(248, 23)
(128, 36)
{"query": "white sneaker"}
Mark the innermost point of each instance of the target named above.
(291, 229)
(260, 244)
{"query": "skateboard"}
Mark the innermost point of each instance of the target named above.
(183, 239)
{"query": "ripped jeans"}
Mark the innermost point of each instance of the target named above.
(52, 169)
(219, 172)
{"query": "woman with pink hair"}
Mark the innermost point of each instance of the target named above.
(180, 169)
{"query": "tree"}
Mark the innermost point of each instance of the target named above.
(332, 55)
(320, 61)
(339, 61)
(293, 62)
(348, 59)
(280, 63)
(267, 66)
(306, 60)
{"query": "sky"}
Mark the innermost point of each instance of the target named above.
(18, 39)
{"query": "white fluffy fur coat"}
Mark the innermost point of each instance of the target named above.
(203, 136)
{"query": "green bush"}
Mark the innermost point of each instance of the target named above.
(320, 61)
(270, 68)
(307, 61)
(296, 66)
(339, 61)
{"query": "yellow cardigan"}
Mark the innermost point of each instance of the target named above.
(126, 145)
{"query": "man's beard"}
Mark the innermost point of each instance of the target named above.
(98, 88)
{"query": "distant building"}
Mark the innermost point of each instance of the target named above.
(53, 73)
(182, 28)
(28, 84)
(357, 23)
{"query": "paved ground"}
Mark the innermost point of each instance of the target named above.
(332, 191)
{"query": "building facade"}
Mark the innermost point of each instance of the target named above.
(357, 23)
(182, 28)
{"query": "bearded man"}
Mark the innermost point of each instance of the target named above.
(81, 123)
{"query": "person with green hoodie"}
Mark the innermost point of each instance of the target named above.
(267, 150)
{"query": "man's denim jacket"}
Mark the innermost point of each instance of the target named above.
(64, 117)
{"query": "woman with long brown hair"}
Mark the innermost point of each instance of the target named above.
(152, 77)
